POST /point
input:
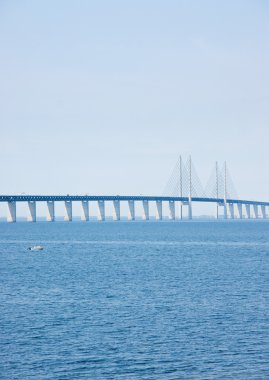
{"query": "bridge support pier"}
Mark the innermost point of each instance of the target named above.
(248, 210)
(263, 209)
(225, 213)
(145, 212)
(219, 204)
(231, 210)
(50, 211)
(181, 204)
(240, 210)
(11, 212)
(68, 211)
(116, 210)
(85, 211)
(172, 210)
(189, 205)
(101, 210)
(159, 209)
(131, 210)
(189, 208)
(31, 211)
(256, 211)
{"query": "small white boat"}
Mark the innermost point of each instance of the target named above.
(36, 248)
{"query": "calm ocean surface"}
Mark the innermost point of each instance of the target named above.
(140, 300)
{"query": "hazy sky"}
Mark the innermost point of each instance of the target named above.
(101, 97)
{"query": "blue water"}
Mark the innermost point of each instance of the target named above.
(138, 300)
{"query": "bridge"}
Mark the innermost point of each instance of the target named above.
(183, 189)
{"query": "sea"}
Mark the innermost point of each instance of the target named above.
(135, 300)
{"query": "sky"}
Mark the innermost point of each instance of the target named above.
(101, 97)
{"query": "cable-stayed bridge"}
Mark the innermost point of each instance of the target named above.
(183, 189)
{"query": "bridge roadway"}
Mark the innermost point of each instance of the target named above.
(71, 198)
(227, 204)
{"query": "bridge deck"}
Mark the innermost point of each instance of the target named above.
(56, 198)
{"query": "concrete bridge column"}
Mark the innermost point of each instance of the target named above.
(263, 209)
(248, 211)
(190, 209)
(217, 209)
(11, 212)
(145, 213)
(159, 210)
(181, 204)
(189, 205)
(116, 210)
(131, 210)
(85, 211)
(172, 210)
(225, 213)
(68, 211)
(50, 211)
(101, 210)
(31, 211)
(256, 211)
(240, 210)
(231, 210)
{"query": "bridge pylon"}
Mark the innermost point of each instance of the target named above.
(190, 190)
